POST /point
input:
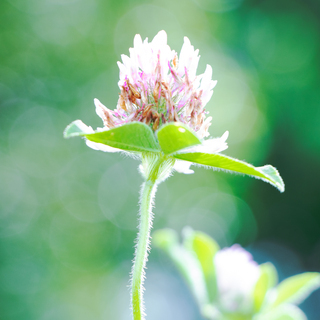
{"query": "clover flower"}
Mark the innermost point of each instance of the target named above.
(160, 118)
(237, 274)
(161, 113)
(157, 87)
(228, 284)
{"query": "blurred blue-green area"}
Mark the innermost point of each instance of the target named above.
(68, 214)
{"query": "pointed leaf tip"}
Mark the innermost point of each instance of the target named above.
(266, 173)
(273, 174)
(134, 136)
(75, 129)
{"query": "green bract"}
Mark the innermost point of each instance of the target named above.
(196, 259)
(174, 137)
(172, 140)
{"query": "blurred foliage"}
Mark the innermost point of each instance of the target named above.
(228, 284)
(69, 214)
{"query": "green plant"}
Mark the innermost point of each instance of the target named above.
(228, 285)
(161, 120)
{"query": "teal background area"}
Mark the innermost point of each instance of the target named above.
(68, 214)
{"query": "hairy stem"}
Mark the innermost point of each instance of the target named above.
(142, 249)
(155, 169)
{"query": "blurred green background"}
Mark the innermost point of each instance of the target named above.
(68, 214)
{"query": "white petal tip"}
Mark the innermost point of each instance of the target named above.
(137, 41)
(186, 40)
(225, 136)
(209, 68)
(162, 33)
(160, 39)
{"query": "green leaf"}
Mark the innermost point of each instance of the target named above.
(205, 249)
(268, 279)
(283, 312)
(176, 136)
(75, 129)
(134, 136)
(185, 261)
(266, 173)
(297, 288)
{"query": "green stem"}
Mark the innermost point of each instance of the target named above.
(156, 168)
(142, 249)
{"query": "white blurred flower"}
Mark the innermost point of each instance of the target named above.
(237, 275)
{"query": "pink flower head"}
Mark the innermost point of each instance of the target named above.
(157, 87)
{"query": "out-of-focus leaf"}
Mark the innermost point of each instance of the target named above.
(219, 161)
(268, 279)
(135, 136)
(297, 288)
(283, 312)
(205, 249)
(165, 239)
(211, 311)
(185, 261)
(175, 136)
